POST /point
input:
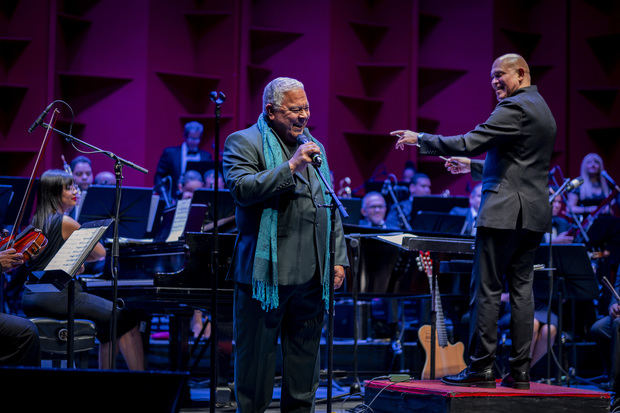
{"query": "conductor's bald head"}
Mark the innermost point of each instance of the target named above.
(509, 73)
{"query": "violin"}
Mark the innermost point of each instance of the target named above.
(29, 243)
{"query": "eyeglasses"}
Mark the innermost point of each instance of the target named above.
(298, 109)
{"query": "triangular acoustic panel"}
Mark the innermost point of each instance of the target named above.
(603, 99)
(265, 42)
(431, 81)
(190, 89)
(524, 43)
(365, 109)
(376, 77)
(369, 34)
(83, 91)
(10, 50)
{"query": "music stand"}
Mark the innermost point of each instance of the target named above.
(354, 209)
(99, 204)
(200, 166)
(6, 195)
(575, 280)
(437, 222)
(225, 202)
(19, 185)
(437, 203)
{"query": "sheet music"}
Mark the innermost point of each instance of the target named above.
(180, 219)
(396, 239)
(75, 250)
(152, 212)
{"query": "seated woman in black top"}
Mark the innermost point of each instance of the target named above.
(57, 195)
(585, 199)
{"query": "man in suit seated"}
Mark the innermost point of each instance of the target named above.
(173, 161)
(470, 214)
(373, 210)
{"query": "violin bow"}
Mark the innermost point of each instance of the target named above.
(20, 215)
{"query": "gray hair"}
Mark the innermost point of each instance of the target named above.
(191, 175)
(275, 90)
(192, 126)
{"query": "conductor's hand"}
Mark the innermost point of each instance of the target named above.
(303, 156)
(614, 311)
(10, 259)
(458, 165)
(405, 137)
(338, 276)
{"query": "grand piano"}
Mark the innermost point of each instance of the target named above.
(173, 279)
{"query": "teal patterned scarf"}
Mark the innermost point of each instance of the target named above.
(265, 272)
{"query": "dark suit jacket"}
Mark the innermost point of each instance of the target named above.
(518, 137)
(170, 165)
(253, 186)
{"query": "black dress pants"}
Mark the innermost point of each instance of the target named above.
(19, 341)
(298, 321)
(502, 253)
(606, 331)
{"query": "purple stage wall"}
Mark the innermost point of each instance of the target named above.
(136, 71)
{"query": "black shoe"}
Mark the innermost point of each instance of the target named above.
(519, 380)
(470, 378)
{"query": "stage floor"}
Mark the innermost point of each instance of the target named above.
(434, 396)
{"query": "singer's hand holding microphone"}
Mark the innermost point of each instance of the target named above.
(308, 152)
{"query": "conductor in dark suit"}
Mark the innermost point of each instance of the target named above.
(281, 259)
(173, 161)
(518, 138)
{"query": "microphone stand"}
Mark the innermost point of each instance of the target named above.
(118, 170)
(335, 204)
(218, 98)
(387, 186)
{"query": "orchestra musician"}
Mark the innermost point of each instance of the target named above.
(173, 160)
(518, 138)
(420, 185)
(593, 191)
(19, 337)
(56, 196)
(281, 259)
(373, 210)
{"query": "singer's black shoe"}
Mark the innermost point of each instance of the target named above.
(469, 378)
(516, 379)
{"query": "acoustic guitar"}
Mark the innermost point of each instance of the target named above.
(448, 357)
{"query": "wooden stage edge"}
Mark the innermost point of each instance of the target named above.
(434, 396)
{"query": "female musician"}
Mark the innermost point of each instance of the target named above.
(594, 189)
(56, 196)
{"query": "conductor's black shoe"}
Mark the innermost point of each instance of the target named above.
(470, 378)
(516, 379)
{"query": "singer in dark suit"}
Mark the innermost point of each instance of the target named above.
(281, 260)
(173, 160)
(518, 138)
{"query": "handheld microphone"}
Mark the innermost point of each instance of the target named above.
(39, 120)
(316, 158)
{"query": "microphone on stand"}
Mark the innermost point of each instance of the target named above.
(316, 158)
(605, 175)
(39, 120)
(575, 183)
(568, 185)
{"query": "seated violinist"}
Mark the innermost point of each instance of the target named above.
(56, 196)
